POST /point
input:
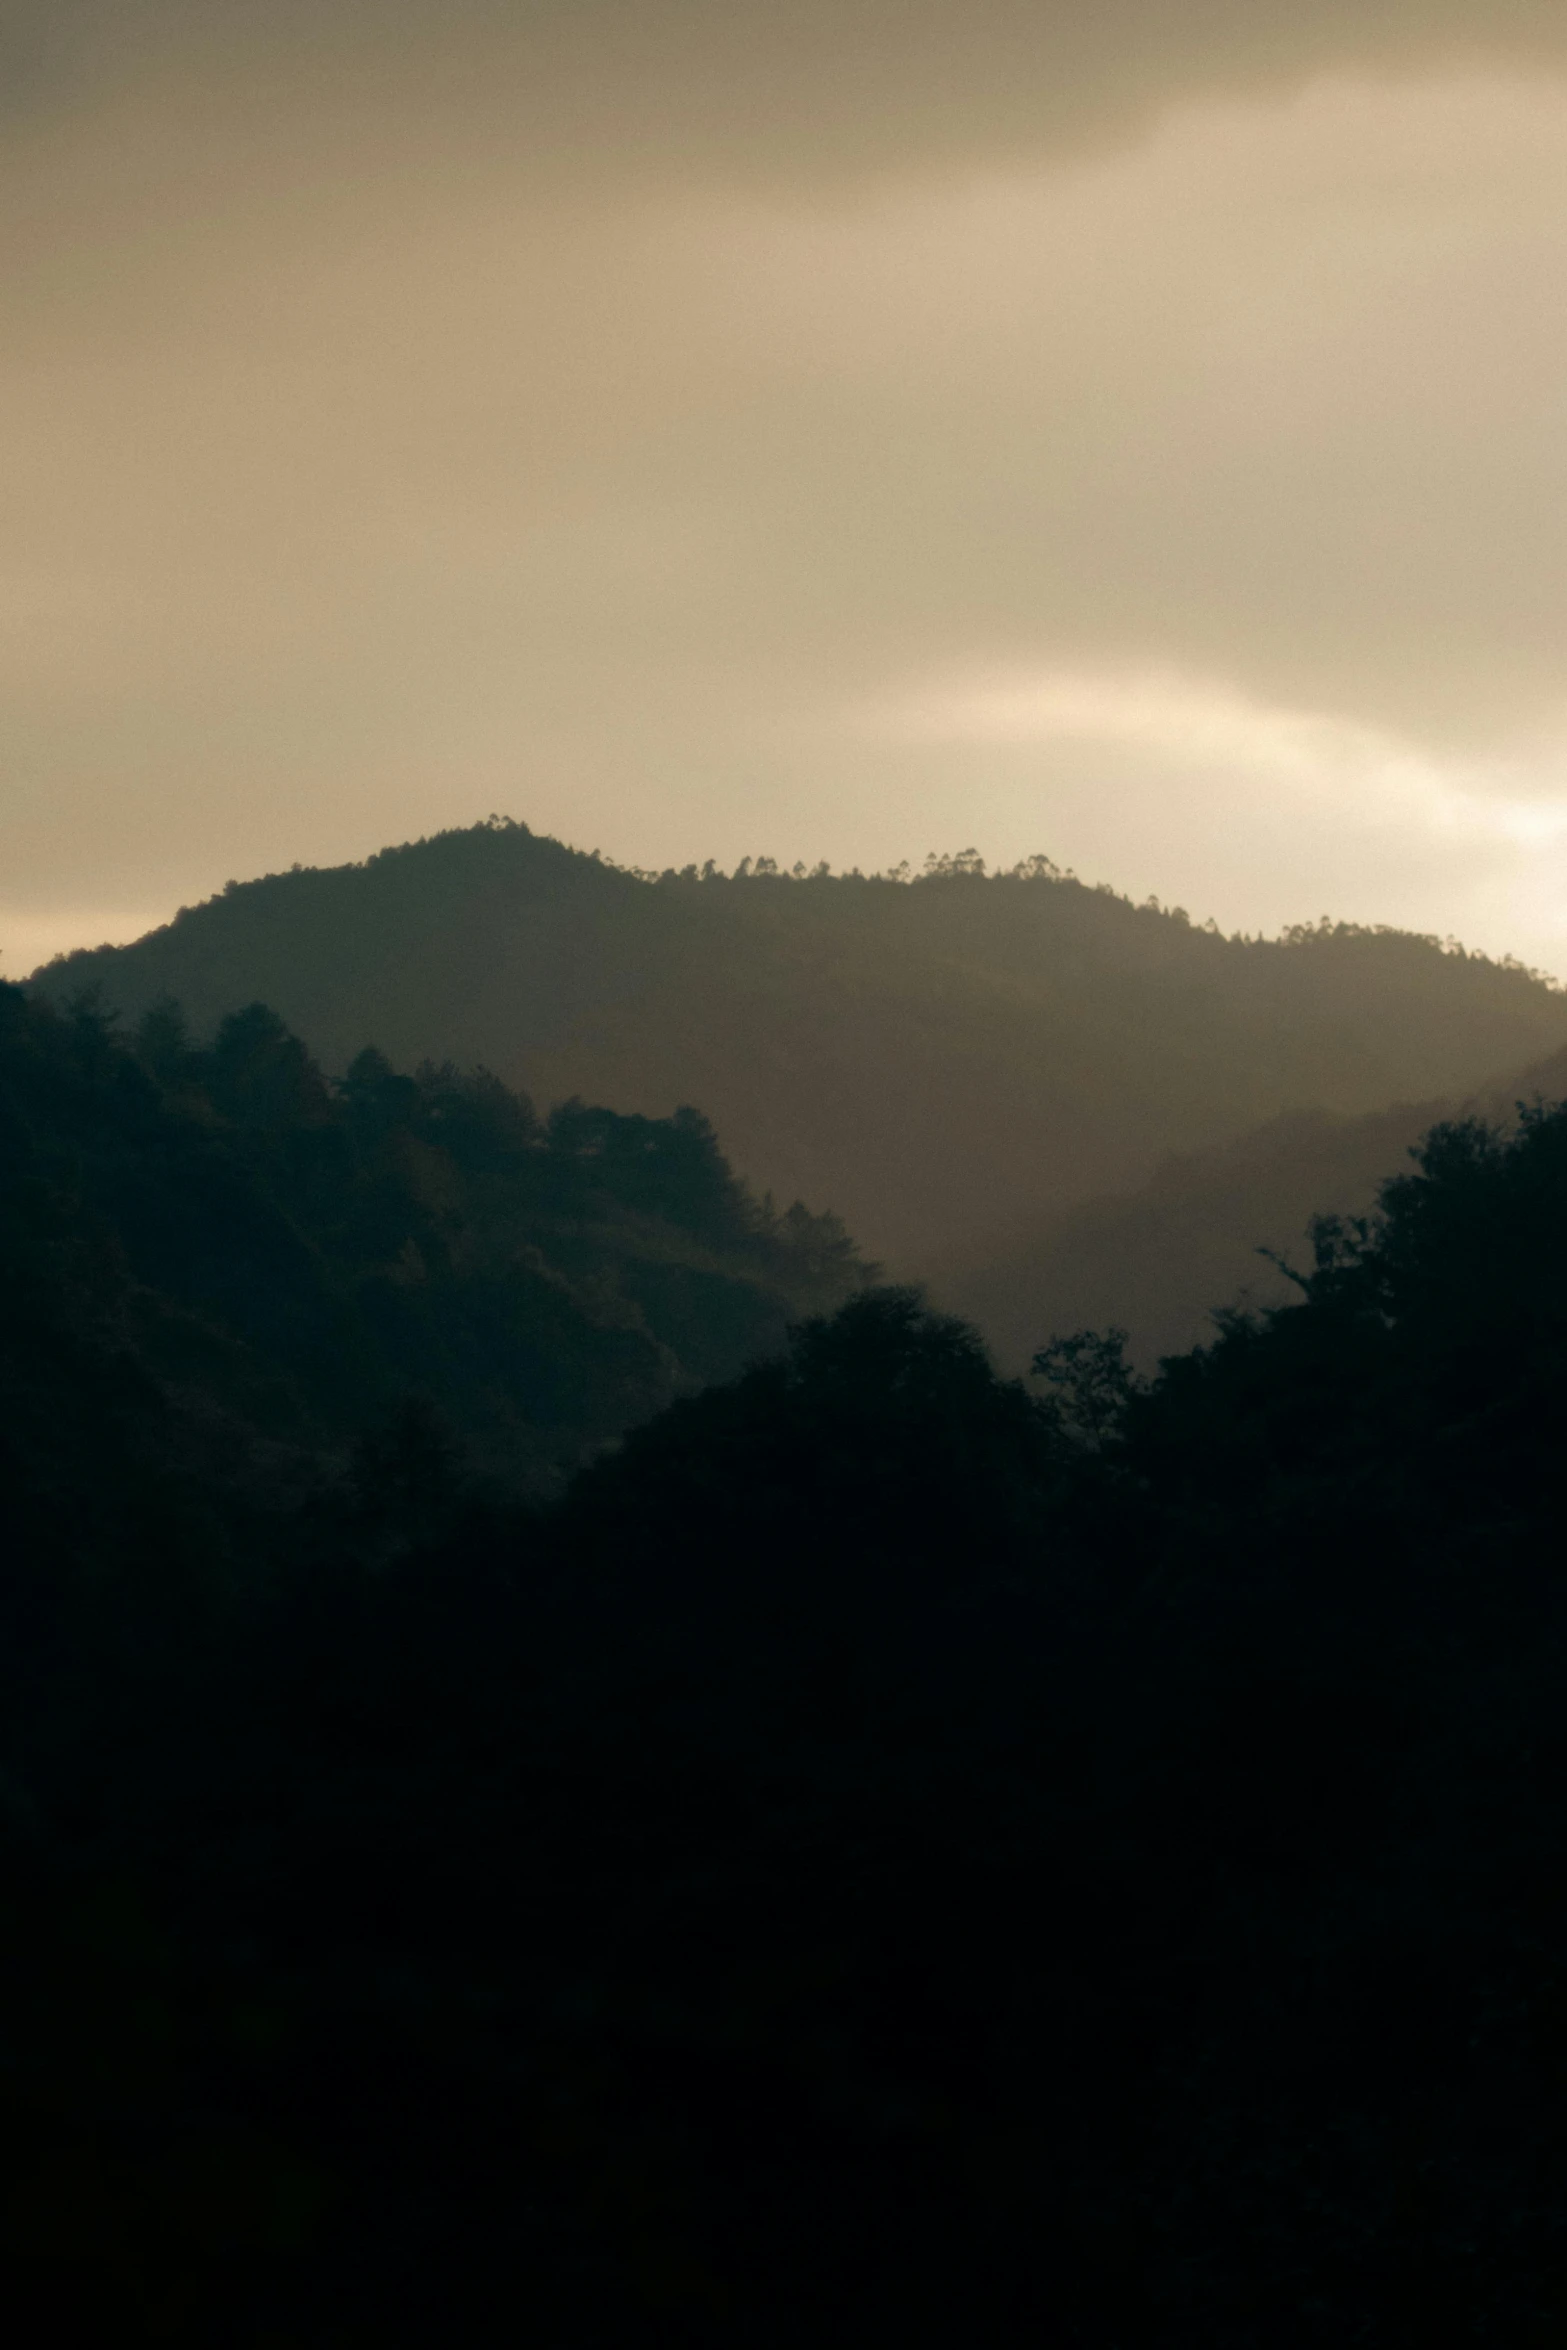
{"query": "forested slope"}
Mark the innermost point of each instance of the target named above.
(886, 1856)
(940, 1062)
(217, 1243)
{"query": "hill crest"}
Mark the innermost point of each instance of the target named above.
(941, 1058)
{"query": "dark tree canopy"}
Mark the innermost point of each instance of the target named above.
(884, 1853)
(281, 1259)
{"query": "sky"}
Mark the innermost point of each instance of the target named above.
(701, 428)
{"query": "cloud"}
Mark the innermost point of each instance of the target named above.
(766, 89)
(1353, 775)
(576, 409)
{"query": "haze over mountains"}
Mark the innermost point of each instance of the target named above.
(952, 1064)
(1218, 1228)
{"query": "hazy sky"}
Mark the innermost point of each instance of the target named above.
(824, 428)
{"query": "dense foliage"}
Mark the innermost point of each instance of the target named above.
(275, 1265)
(941, 1060)
(891, 1854)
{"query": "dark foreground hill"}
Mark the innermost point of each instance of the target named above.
(939, 1062)
(1214, 1229)
(217, 1257)
(886, 1857)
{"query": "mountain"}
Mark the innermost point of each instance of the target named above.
(234, 1271)
(882, 1856)
(1200, 1235)
(941, 1062)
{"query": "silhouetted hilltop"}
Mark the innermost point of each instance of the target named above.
(1158, 1262)
(939, 1061)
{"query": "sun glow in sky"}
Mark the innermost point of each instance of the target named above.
(709, 449)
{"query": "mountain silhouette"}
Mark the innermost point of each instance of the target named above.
(1212, 1230)
(943, 1062)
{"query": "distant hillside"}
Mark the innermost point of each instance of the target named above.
(1157, 1261)
(941, 1061)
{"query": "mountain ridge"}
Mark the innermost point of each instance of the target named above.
(942, 1061)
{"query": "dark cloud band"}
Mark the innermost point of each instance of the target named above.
(749, 85)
